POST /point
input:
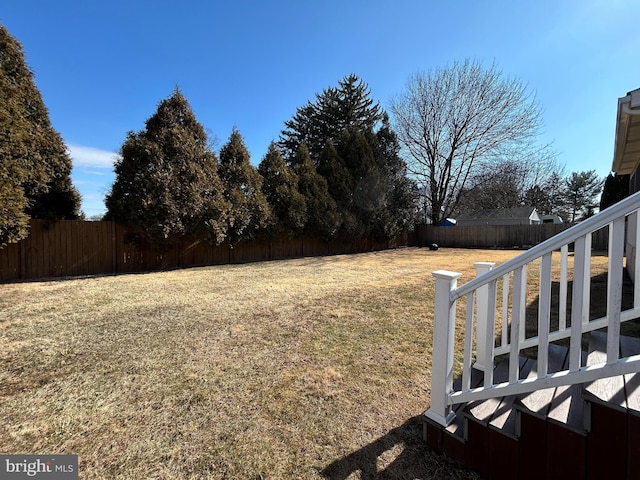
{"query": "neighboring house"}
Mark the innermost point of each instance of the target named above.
(626, 156)
(500, 216)
(551, 218)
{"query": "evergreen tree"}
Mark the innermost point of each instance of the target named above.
(280, 187)
(14, 222)
(167, 184)
(336, 109)
(616, 188)
(399, 209)
(61, 199)
(581, 190)
(321, 209)
(368, 181)
(338, 178)
(339, 187)
(34, 164)
(250, 212)
(364, 173)
(363, 193)
(554, 188)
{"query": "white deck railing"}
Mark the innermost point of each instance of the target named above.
(498, 325)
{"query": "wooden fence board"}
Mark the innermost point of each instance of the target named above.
(286, 247)
(192, 253)
(77, 248)
(500, 236)
(33, 254)
(314, 247)
(10, 262)
(71, 250)
(74, 247)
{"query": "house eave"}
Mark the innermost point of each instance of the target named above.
(626, 155)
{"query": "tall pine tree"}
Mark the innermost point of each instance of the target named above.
(250, 212)
(280, 186)
(616, 188)
(581, 190)
(35, 167)
(167, 184)
(364, 173)
(347, 106)
(322, 214)
(397, 209)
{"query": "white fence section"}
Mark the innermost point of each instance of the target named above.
(495, 327)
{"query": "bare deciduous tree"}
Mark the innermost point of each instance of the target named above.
(457, 121)
(533, 181)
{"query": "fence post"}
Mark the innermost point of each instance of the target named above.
(482, 303)
(444, 327)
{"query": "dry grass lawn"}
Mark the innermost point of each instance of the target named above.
(310, 368)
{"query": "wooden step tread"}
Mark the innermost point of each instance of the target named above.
(483, 410)
(567, 405)
(621, 392)
(456, 427)
(499, 413)
(538, 402)
(631, 346)
(504, 418)
(608, 390)
(563, 405)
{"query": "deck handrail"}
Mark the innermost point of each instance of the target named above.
(482, 306)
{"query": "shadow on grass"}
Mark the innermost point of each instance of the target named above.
(414, 460)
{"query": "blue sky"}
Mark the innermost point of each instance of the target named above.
(103, 66)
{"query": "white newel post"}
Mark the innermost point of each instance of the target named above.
(443, 342)
(482, 303)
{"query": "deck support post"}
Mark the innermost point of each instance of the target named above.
(482, 302)
(444, 329)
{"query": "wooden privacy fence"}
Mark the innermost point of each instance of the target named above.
(501, 236)
(76, 248)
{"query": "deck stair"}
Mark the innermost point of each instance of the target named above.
(580, 431)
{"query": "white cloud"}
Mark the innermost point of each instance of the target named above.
(88, 171)
(91, 157)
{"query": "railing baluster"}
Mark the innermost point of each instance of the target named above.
(517, 323)
(562, 314)
(577, 304)
(544, 314)
(505, 311)
(586, 279)
(490, 336)
(523, 302)
(468, 336)
(614, 284)
(634, 232)
(483, 362)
